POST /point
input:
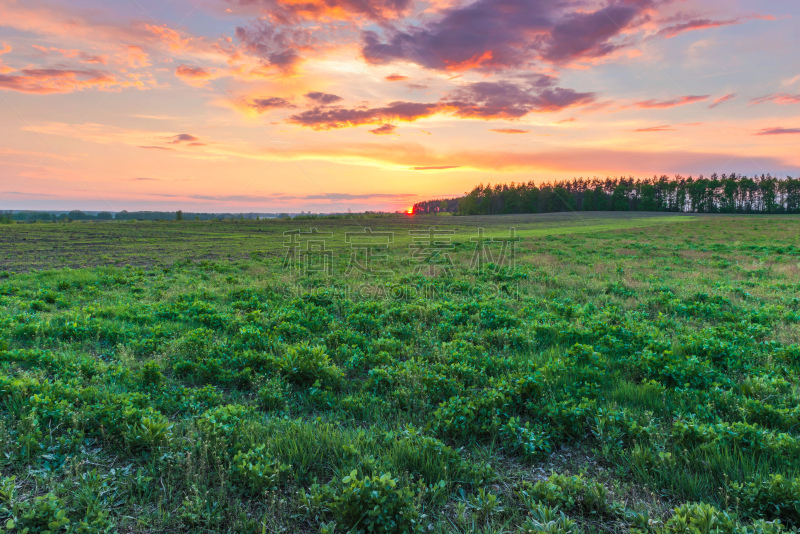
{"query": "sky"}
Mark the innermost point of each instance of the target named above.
(336, 105)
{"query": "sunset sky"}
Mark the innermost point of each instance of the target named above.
(329, 105)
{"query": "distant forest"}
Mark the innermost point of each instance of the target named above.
(717, 194)
(77, 215)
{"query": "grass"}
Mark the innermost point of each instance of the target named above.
(626, 371)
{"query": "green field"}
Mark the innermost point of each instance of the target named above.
(624, 372)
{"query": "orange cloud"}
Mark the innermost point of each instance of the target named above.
(44, 81)
(4, 69)
(474, 62)
(134, 56)
(395, 78)
(174, 40)
(665, 128)
(509, 131)
(295, 11)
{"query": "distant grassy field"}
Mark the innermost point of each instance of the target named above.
(592, 372)
(86, 244)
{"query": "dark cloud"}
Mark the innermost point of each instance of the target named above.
(326, 118)
(151, 147)
(384, 129)
(275, 45)
(176, 139)
(671, 103)
(589, 35)
(482, 100)
(504, 99)
(323, 99)
(264, 104)
(779, 131)
(722, 100)
(495, 34)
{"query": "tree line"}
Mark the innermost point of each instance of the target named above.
(716, 194)
(78, 215)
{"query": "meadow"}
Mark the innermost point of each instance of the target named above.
(585, 372)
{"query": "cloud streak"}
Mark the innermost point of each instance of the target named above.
(721, 100)
(509, 131)
(777, 98)
(671, 103)
(51, 80)
(779, 131)
(705, 23)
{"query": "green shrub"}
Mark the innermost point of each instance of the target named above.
(148, 431)
(42, 514)
(274, 394)
(572, 493)
(548, 520)
(775, 497)
(259, 471)
(151, 374)
(376, 504)
(485, 504)
(700, 518)
(304, 365)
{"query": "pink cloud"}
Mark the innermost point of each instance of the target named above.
(702, 24)
(665, 128)
(671, 103)
(44, 81)
(73, 54)
(777, 98)
(722, 100)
